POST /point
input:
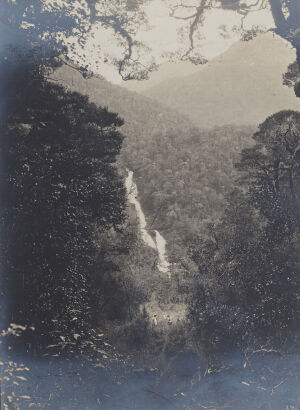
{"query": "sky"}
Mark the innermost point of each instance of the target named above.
(218, 33)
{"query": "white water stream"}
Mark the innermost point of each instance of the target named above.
(159, 243)
(163, 264)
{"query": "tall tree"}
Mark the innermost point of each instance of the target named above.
(59, 189)
(251, 264)
(272, 165)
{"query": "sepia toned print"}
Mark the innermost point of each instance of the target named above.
(150, 204)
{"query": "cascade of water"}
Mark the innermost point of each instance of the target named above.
(163, 264)
(160, 242)
(132, 197)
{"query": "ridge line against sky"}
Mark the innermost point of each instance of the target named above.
(185, 69)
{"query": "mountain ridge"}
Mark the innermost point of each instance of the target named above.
(242, 86)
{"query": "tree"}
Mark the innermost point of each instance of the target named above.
(50, 24)
(249, 269)
(272, 165)
(59, 189)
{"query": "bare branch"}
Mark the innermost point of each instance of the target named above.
(197, 18)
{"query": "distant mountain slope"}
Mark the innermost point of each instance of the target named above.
(165, 72)
(243, 86)
(142, 116)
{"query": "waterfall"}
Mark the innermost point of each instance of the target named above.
(160, 243)
(163, 264)
(132, 198)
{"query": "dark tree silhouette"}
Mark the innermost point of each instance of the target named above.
(59, 189)
(250, 265)
(48, 24)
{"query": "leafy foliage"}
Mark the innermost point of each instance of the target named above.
(66, 26)
(59, 189)
(249, 269)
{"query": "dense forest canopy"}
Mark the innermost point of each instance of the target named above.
(184, 178)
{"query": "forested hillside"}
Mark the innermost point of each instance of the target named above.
(142, 117)
(183, 179)
(182, 172)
